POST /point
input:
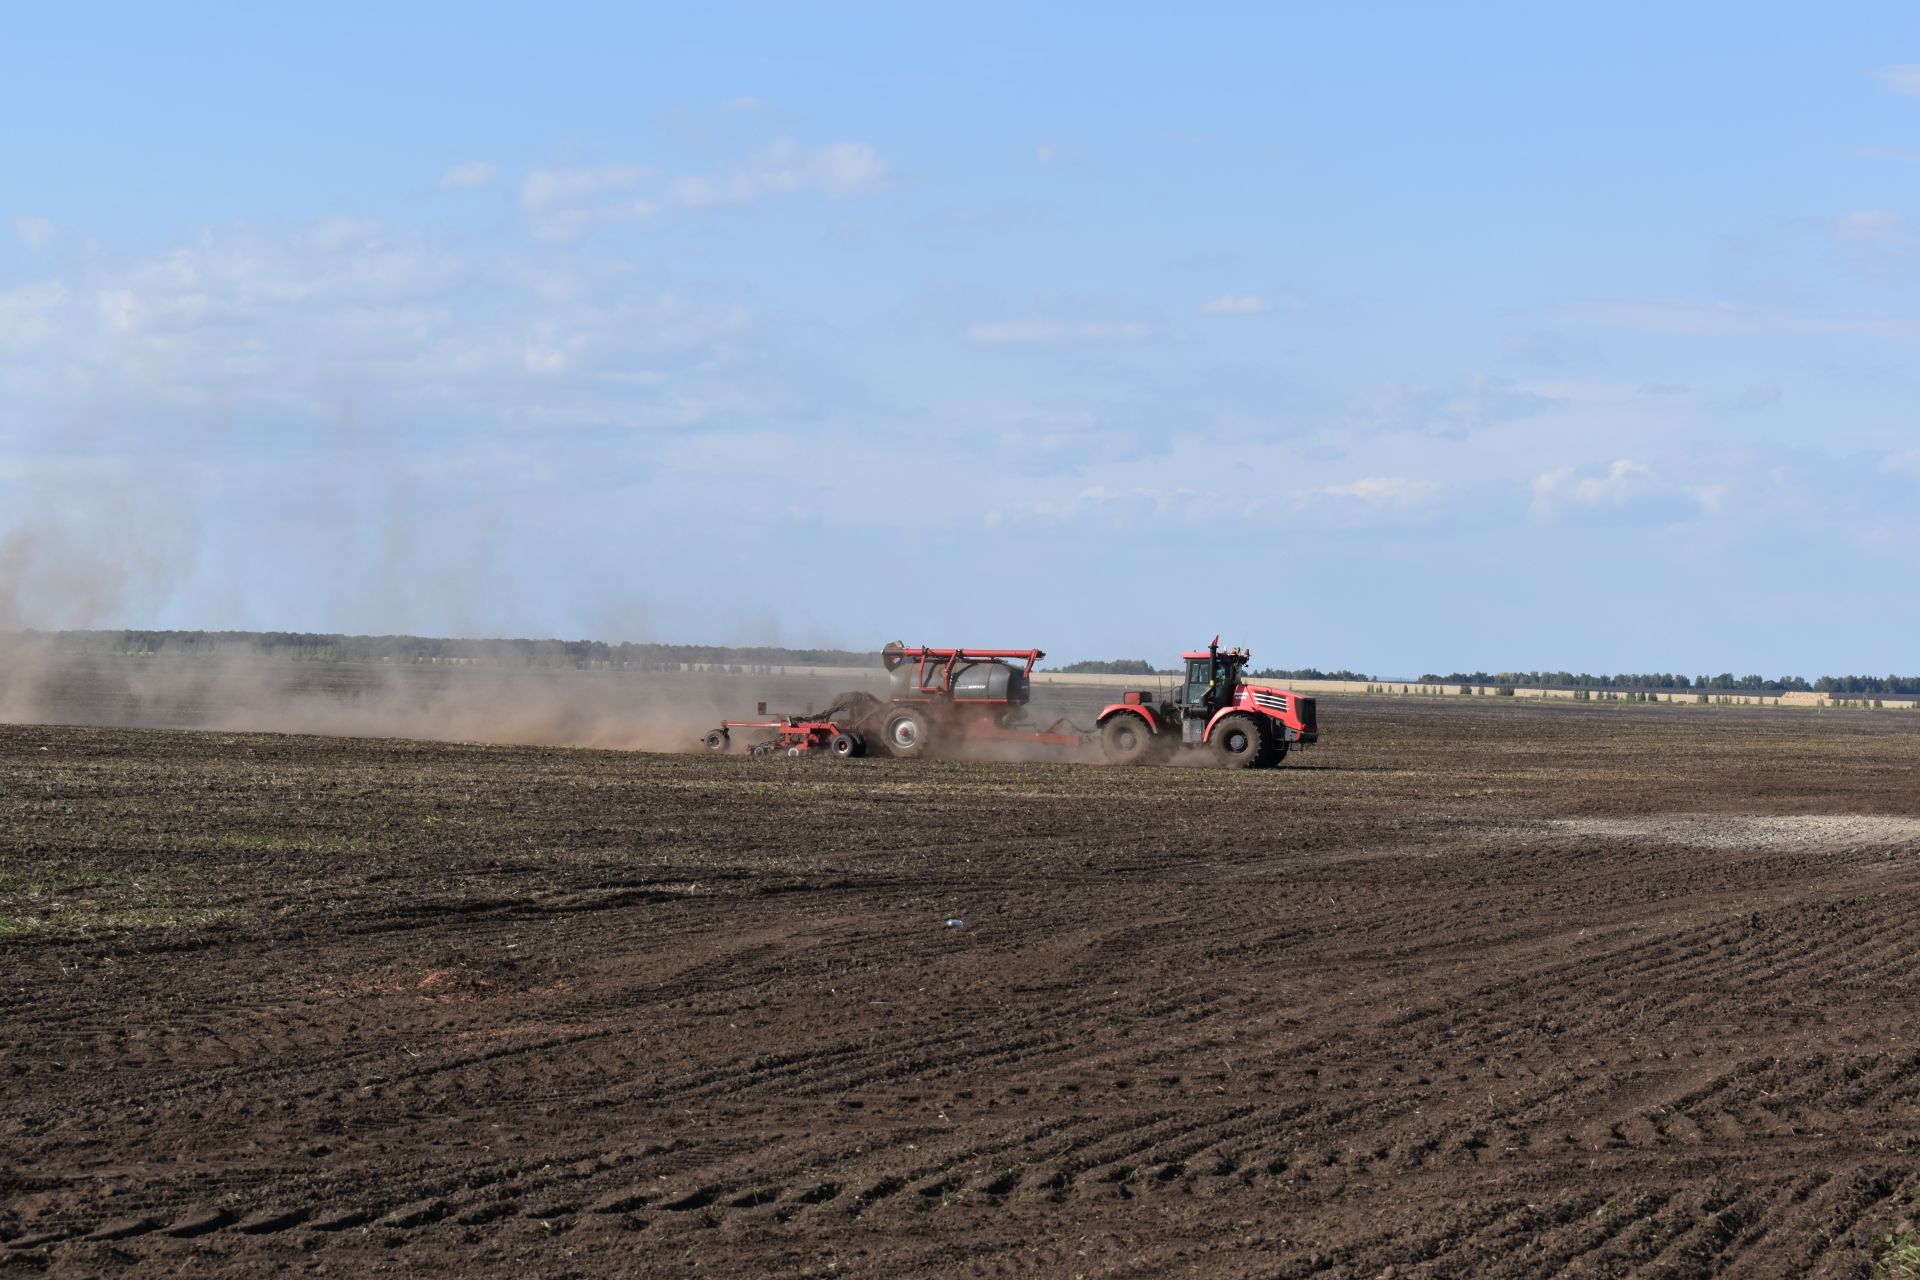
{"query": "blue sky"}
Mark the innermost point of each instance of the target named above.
(1399, 337)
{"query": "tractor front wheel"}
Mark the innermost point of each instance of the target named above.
(1276, 751)
(1238, 742)
(907, 732)
(1126, 739)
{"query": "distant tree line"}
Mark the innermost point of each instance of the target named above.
(309, 647)
(1726, 681)
(315, 647)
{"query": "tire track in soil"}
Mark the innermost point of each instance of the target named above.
(1375, 1042)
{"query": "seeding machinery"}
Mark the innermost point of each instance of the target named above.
(940, 698)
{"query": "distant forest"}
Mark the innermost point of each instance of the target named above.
(584, 654)
(304, 647)
(1726, 680)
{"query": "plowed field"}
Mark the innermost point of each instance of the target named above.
(1471, 990)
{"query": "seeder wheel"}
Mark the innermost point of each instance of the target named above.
(907, 732)
(845, 746)
(718, 740)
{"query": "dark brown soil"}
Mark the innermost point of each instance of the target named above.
(1472, 990)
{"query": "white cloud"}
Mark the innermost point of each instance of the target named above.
(30, 313)
(1619, 484)
(333, 235)
(840, 169)
(544, 359)
(474, 173)
(847, 168)
(1237, 304)
(1867, 225)
(1727, 319)
(1035, 330)
(34, 232)
(1711, 497)
(1878, 244)
(1482, 401)
(546, 188)
(1907, 461)
(1902, 79)
(564, 202)
(1400, 491)
(120, 308)
(280, 326)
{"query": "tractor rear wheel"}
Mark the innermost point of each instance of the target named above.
(1238, 741)
(718, 740)
(907, 732)
(1126, 739)
(845, 746)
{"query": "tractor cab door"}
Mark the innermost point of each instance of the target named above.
(1198, 697)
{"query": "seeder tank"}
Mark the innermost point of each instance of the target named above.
(968, 680)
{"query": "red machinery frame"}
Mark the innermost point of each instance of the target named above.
(943, 661)
(790, 734)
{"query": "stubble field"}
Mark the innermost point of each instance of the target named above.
(1472, 989)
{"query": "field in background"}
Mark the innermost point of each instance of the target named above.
(1479, 987)
(1416, 689)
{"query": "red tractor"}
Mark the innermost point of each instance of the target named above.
(1243, 726)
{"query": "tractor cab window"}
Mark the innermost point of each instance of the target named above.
(1199, 676)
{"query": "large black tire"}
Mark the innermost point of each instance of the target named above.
(846, 746)
(907, 732)
(1237, 741)
(718, 740)
(1275, 752)
(1126, 739)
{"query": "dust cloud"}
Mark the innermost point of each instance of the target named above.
(77, 573)
(496, 703)
(53, 580)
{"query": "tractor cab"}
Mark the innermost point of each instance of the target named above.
(1212, 676)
